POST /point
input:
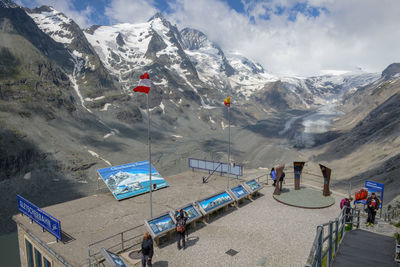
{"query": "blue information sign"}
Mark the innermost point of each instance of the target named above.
(253, 185)
(48, 222)
(239, 191)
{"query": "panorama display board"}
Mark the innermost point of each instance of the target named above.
(373, 187)
(191, 211)
(131, 179)
(218, 167)
(239, 192)
(160, 224)
(252, 185)
(214, 202)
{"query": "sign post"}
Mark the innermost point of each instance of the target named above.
(326, 172)
(48, 222)
(298, 168)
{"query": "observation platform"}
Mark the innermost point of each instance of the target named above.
(304, 198)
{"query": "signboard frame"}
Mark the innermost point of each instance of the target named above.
(42, 214)
(242, 196)
(139, 169)
(110, 258)
(206, 212)
(249, 189)
(213, 166)
(150, 229)
(189, 220)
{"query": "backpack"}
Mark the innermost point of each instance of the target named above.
(342, 202)
(180, 226)
(282, 176)
(362, 194)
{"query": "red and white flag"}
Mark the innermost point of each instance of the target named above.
(144, 84)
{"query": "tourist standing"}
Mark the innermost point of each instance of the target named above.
(273, 175)
(372, 206)
(346, 204)
(147, 250)
(181, 219)
(281, 180)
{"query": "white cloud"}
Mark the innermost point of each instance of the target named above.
(352, 33)
(130, 11)
(82, 18)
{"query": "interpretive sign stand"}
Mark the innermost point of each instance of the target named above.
(326, 172)
(239, 193)
(298, 168)
(159, 226)
(213, 203)
(279, 171)
(192, 213)
(45, 220)
(112, 259)
(253, 187)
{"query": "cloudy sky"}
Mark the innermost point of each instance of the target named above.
(287, 37)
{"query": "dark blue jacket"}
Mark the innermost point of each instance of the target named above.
(147, 247)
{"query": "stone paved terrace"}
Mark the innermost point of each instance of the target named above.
(264, 232)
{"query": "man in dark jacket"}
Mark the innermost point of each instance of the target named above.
(372, 206)
(147, 250)
(181, 219)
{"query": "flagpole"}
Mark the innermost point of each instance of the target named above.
(229, 143)
(148, 135)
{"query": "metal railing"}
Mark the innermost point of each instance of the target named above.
(116, 243)
(329, 236)
(390, 214)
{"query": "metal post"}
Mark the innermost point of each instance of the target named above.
(148, 135)
(358, 219)
(90, 262)
(329, 258)
(352, 219)
(320, 243)
(336, 234)
(122, 241)
(229, 143)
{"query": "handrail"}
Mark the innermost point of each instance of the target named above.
(206, 178)
(319, 252)
(121, 245)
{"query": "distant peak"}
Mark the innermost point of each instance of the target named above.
(393, 70)
(158, 15)
(42, 9)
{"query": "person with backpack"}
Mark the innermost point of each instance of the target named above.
(281, 180)
(345, 203)
(181, 219)
(372, 206)
(273, 176)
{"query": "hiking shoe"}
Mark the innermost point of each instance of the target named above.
(372, 224)
(367, 224)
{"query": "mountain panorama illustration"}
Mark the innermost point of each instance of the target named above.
(68, 110)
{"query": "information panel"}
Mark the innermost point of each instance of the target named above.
(131, 179)
(190, 211)
(113, 259)
(239, 192)
(215, 201)
(253, 185)
(161, 224)
(48, 222)
(218, 167)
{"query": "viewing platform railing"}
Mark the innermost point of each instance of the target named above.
(329, 236)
